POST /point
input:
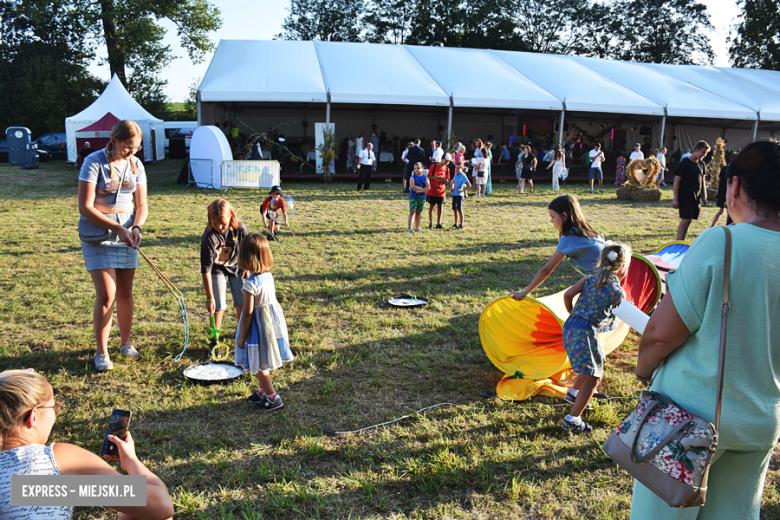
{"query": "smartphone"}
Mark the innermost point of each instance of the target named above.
(117, 426)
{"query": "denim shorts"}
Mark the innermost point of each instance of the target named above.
(595, 173)
(111, 253)
(219, 288)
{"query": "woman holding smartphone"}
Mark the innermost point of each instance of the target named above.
(27, 414)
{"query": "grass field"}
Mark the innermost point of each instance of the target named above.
(358, 362)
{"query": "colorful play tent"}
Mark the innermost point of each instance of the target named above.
(524, 339)
(115, 100)
(98, 134)
(671, 253)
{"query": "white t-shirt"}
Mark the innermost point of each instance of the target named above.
(661, 159)
(595, 159)
(636, 155)
(437, 155)
(686, 154)
(367, 157)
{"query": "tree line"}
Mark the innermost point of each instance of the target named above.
(46, 47)
(653, 31)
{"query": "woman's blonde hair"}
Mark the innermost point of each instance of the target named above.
(220, 208)
(123, 131)
(254, 255)
(20, 392)
(613, 257)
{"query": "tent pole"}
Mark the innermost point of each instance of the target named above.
(449, 120)
(755, 126)
(560, 128)
(661, 134)
(663, 128)
(327, 113)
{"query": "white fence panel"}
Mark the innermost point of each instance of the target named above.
(250, 174)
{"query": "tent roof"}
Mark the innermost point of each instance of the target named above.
(380, 74)
(507, 88)
(118, 101)
(590, 92)
(766, 78)
(729, 86)
(362, 73)
(259, 70)
(681, 99)
(106, 122)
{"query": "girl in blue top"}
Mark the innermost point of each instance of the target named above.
(578, 242)
(599, 293)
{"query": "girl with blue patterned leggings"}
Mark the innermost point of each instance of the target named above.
(599, 293)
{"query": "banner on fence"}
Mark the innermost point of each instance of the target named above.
(250, 174)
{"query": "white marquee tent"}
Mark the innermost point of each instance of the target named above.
(466, 86)
(118, 101)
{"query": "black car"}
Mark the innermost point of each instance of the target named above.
(55, 144)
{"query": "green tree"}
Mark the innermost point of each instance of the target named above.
(755, 39)
(548, 26)
(390, 21)
(40, 88)
(133, 36)
(43, 60)
(662, 31)
(328, 20)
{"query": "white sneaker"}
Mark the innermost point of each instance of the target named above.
(103, 363)
(576, 425)
(128, 350)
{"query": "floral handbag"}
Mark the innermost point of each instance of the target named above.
(666, 448)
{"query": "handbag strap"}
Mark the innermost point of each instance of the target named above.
(122, 179)
(723, 325)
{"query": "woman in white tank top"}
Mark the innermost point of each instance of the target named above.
(27, 414)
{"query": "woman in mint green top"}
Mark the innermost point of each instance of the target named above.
(685, 329)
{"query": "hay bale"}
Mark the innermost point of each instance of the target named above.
(646, 195)
(638, 193)
(711, 194)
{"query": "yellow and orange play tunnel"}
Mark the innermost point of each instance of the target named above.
(524, 339)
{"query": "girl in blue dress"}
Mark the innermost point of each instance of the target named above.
(263, 343)
(599, 293)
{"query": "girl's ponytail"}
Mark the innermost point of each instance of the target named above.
(613, 257)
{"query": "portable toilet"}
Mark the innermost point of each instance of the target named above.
(31, 157)
(18, 138)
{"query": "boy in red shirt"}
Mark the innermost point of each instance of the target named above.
(269, 208)
(439, 175)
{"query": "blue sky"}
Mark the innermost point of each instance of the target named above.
(262, 20)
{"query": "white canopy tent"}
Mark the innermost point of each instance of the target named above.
(729, 86)
(417, 88)
(119, 102)
(233, 76)
(766, 78)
